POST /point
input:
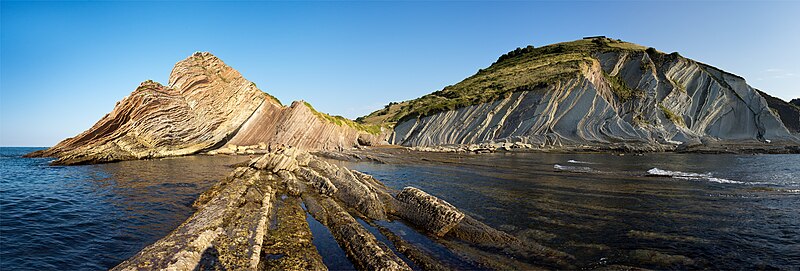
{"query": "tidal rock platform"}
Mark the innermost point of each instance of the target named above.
(255, 219)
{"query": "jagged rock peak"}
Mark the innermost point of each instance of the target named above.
(149, 84)
(206, 106)
(202, 63)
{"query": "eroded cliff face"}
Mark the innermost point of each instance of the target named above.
(206, 105)
(644, 100)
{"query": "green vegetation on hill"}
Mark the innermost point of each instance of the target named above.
(339, 120)
(621, 89)
(675, 118)
(523, 69)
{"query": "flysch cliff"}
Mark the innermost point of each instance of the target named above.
(207, 106)
(595, 93)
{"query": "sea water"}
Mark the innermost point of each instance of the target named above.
(657, 211)
(660, 211)
(93, 217)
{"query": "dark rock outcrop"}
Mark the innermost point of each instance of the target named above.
(789, 113)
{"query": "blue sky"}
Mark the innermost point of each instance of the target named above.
(63, 65)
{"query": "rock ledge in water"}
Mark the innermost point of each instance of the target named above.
(231, 228)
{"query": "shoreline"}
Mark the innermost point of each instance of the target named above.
(621, 148)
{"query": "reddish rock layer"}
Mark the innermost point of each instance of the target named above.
(297, 125)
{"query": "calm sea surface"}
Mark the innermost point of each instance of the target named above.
(662, 211)
(94, 217)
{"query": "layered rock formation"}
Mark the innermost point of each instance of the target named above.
(598, 92)
(230, 230)
(206, 106)
(301, 125)
(789, 113)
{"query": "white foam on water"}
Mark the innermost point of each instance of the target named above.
(661, 172)
(690, 176)
(685, 178)
(572, 168)
(721, 180)
(579, 162)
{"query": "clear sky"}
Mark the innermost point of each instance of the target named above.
(65, 64)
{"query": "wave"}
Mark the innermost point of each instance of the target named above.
(689, 176)
(579, 162)
(573, 168)
(678, 174)
(721, 180)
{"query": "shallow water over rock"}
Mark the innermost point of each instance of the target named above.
(617, 213)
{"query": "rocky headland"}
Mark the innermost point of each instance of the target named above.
(207, 106)
(595, 94)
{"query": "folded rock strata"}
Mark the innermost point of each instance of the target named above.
(206, 106)
(231, 228)
(596, 92)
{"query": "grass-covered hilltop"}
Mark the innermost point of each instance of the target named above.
(593, 91)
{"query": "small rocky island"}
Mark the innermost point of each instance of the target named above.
(595, 94)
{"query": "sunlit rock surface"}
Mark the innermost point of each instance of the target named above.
(207, 106)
